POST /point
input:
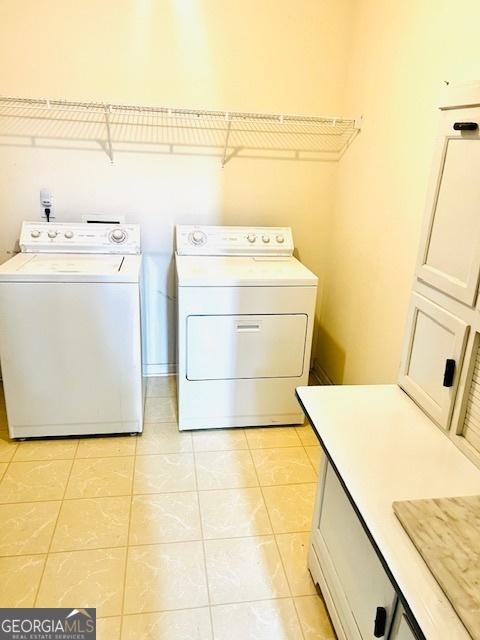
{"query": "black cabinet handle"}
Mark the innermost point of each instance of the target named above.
(380, 622)
(449, 372)
(465, 126)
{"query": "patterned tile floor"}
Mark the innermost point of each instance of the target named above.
(172, 536)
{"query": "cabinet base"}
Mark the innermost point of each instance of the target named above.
(319, 579)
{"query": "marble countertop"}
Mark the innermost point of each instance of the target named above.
(386, 449)
(446, 532)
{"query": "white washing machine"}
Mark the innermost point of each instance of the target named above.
(245, 320)
(70, 340)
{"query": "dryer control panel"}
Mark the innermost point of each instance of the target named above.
(79, 237)
(209, 240)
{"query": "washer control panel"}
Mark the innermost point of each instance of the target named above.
(79, 237)
(241, 241)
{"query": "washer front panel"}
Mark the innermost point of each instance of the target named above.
(79, 237)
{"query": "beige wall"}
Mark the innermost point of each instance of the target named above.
(358, 230)
(268, 55)
(401, 52)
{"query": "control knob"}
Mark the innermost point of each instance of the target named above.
(198, 237)
(280, 239)
(35, 233)
(52, 234)
(266, 239)
(118, 236)
(68, 234)
(251, 237)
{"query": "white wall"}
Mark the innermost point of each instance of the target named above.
(273, 55)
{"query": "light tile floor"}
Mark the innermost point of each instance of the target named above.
(171, 536)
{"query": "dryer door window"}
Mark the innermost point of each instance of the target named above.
(225, 347)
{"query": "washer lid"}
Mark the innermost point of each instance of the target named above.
(44, 263)
(61, 267)
(224, 271)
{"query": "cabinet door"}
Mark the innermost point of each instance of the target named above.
(433, 352)
(357, 574)
(449, 256)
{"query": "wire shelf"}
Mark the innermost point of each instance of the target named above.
(223, 133)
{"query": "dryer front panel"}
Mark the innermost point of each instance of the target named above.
(226, 347)
(233, 373)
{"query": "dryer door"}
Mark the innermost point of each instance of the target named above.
(221, 347)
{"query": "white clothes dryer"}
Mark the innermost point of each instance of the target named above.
(246, 309)
(70, 338)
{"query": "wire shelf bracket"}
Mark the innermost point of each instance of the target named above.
(109, 133)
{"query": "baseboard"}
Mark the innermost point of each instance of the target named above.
(320, 374)
(159, 369)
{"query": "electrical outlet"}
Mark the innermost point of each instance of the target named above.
(46, 204)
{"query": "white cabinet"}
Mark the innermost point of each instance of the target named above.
(362, 592)
(437, 371)
(449, 257)
(433, 353)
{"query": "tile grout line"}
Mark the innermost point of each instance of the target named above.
(9, 462)
(229, 603)
(316, 474)
(124, 591)
(126, 495)
(298, 618)
(37, 592)
(276, 539)
(154, 544)
(278, 551)
(299, 445)
(209, 598)
(306, 453)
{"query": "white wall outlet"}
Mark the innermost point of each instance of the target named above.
(46, 204)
